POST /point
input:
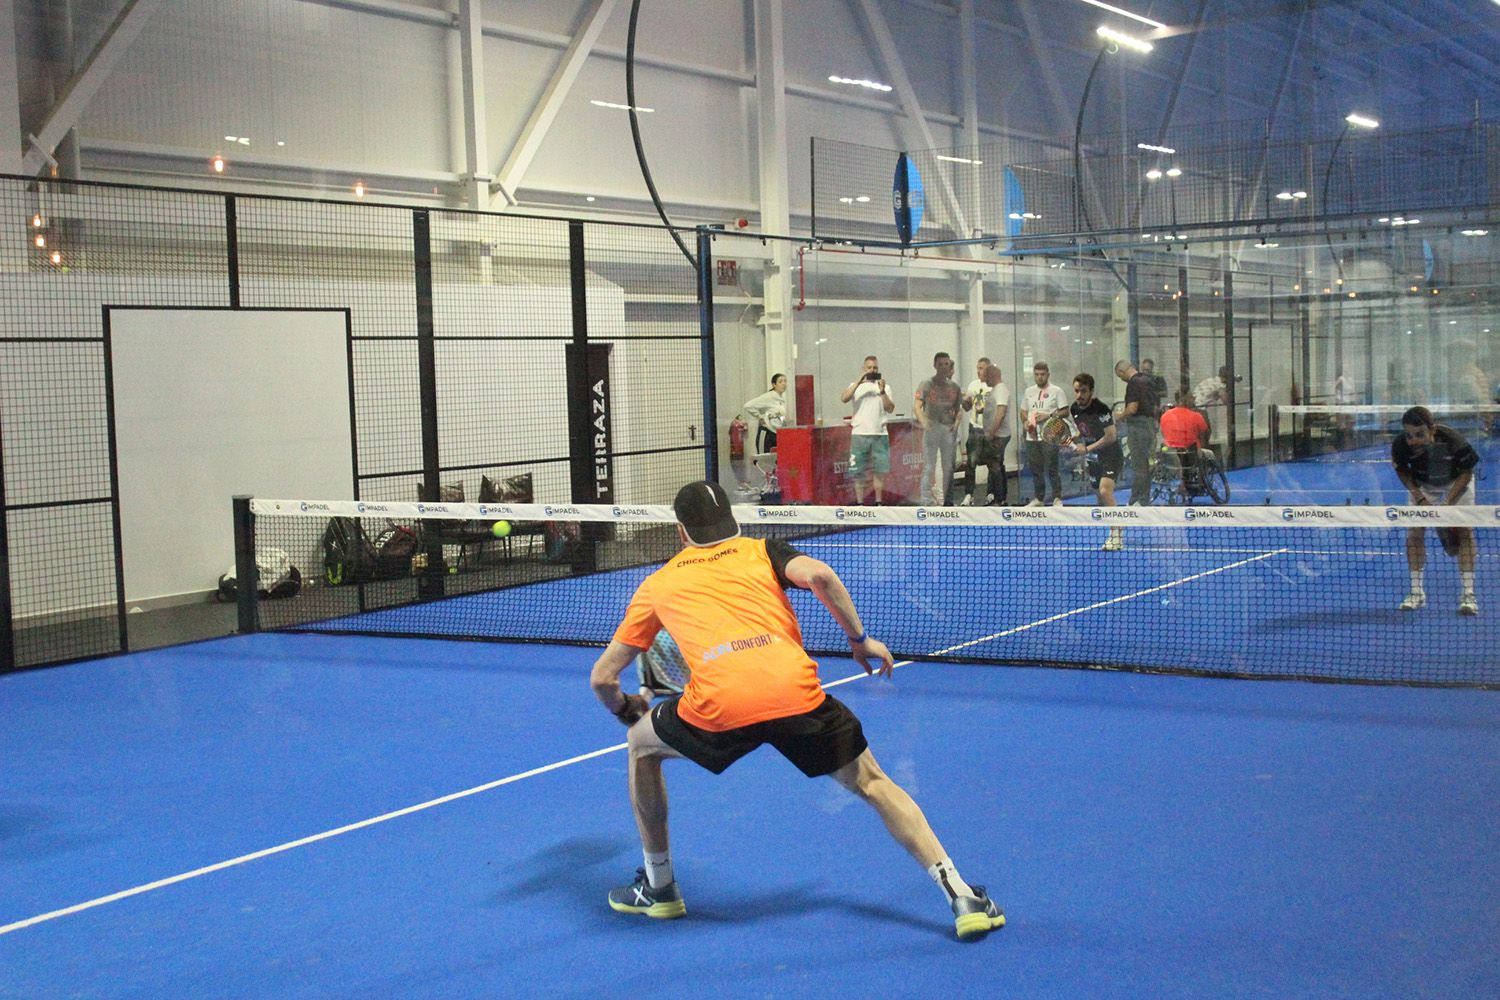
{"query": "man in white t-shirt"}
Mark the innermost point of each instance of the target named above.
(976, 395)
(1041, 402)
(869, 446)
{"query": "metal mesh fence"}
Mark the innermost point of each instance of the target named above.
(66, 250)
(459, 362)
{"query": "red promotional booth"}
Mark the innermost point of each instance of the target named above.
(813, 464)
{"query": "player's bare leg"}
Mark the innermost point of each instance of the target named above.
(1416, 562)
(1468, 604)
(974, 912)
(654, 891)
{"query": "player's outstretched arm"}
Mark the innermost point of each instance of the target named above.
(605, 680)
(819, 577)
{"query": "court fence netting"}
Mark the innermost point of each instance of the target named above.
(1295, 592)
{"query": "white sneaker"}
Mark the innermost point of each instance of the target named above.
(1036, 502)
(1057, 501)
(966, 502)
(1467, 605)
(1415, 600)
(1114, 543)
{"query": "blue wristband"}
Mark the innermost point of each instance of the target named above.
(861, 637)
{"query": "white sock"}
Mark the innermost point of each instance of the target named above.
(1467, 576)
(947, 877)
(1416, 582)
(659, 869)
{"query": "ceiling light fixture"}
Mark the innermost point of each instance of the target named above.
(1120, 38)
(1133, 16)
(621, 107)
(956, 159)
(867, 84)
(1153, 174)
(1361, 121)
(1155, 149)
(1174, 171)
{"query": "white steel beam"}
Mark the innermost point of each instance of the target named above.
(775, 198)
(917, 128)
(11, 140)
(476, 183)
(82, 88)
(508, 178)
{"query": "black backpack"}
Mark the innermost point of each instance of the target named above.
(348, 556)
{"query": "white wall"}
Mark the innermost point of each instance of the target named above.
(211, 404)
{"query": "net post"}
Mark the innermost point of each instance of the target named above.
(245, 574)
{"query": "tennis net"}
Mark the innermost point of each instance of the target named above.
(1291, 592)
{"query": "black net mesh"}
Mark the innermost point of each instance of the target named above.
(1305, 592)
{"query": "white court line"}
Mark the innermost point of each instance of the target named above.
(453, 797)
(244, 858)
(1113, 600)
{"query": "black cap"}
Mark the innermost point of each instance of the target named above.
(703, 509)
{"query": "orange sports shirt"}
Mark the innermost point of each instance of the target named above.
(1181, 427)
(737, 631)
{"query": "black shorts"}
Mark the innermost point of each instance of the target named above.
(818, 742)
(1108, 463)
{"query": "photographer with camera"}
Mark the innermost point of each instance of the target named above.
(869, 447)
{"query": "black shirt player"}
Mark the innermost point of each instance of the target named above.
(1436, 465)
(1098, 441)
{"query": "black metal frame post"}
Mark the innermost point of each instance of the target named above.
(232, 249)
(246, 572)
(430, 583)
(7, 624)
(1184, 356)
(710, 379)
(1231, 396)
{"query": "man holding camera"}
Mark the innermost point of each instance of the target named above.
(869, 447)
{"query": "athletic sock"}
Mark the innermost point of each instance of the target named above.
(659, 869)
(1416, 582)
(1467, 576)
(948, 879)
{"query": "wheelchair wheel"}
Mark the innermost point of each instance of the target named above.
(1216, 484)
(1163, 486)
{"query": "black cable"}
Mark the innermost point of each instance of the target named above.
(1078, 201)
(635, 133)
(1323, 205)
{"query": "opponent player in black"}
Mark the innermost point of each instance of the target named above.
(1436, 465)
(1098, 441)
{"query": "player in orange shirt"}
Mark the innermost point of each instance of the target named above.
(723, 600)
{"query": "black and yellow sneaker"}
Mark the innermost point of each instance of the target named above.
(664, 903)
(973, 916)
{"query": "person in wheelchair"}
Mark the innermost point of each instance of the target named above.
(1184, 432)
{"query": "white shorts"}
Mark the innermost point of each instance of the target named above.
(1439, 494)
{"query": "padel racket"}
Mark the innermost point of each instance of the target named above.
(1058, 431)
(662, 670)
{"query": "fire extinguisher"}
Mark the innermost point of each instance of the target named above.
(737, 431)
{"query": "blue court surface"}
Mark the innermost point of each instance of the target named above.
(1148, 836)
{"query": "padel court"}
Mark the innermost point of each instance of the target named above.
(1152, 836)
